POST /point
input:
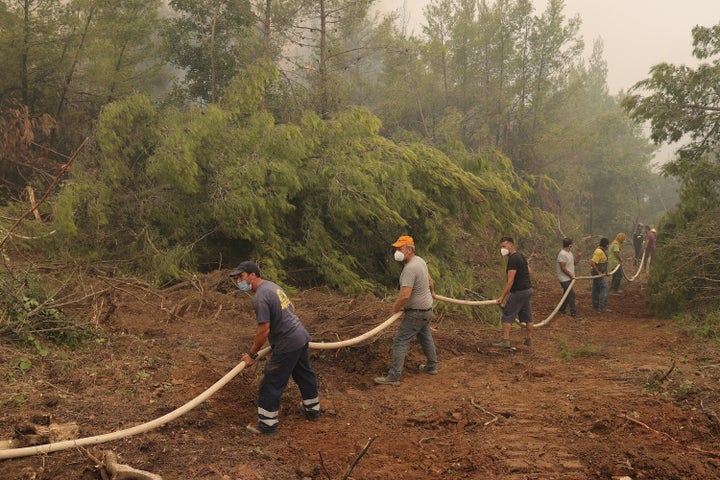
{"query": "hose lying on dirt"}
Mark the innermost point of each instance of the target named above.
(81, 442)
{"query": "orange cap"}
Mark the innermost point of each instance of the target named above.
(404, 240)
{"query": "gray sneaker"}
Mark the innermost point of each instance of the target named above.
(430, 371)
(504, 343)
(387, 381)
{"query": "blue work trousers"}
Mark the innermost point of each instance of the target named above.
(599, 293)
(278, 371)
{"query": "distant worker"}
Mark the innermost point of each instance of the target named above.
(638, 240)
(649, 247)
(415, 300)
(598, 269)
(518, 291)
(277, 324)
(615, 260)
(565, 264)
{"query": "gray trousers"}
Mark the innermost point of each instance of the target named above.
(414, 324)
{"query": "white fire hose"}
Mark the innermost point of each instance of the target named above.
(559, 304)
(82, 442)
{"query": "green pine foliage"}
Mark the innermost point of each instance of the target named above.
(685, 271)
(312, 156)
(102, 205)
(681, 105)
(309, 142)
(211, 41)
(165, 186)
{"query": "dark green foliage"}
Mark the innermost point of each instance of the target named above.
(490, 124)
(325, 195)
(32, 40)
(103, 204)
(31, 316)
(683, 106)
(67, 59)
(211, 41)
(685, 270)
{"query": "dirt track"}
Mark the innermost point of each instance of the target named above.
(594, 398)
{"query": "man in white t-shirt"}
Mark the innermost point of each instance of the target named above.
(566, 262)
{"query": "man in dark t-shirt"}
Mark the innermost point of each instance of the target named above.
(282, 329)
(638, 241)
(518, 290)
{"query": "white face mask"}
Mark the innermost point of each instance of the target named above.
(399, 256)
(504, 252)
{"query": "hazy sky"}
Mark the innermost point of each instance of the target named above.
(637, 34)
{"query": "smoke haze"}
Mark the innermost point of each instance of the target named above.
(636, 34)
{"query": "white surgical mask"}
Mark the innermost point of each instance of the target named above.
(399, 256)
(244, 286)
(504, 252)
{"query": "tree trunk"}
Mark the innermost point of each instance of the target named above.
(323, 62)
(69, 75)
(212, 56)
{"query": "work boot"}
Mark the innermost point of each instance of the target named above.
(527, 342)
(311, 415)
(257, 430)
(430, 371)
(387, 381)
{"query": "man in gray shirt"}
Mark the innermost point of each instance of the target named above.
(415, 299)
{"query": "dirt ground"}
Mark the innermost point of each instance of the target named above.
(614, 395)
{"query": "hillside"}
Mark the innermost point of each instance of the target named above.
(620, 394)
